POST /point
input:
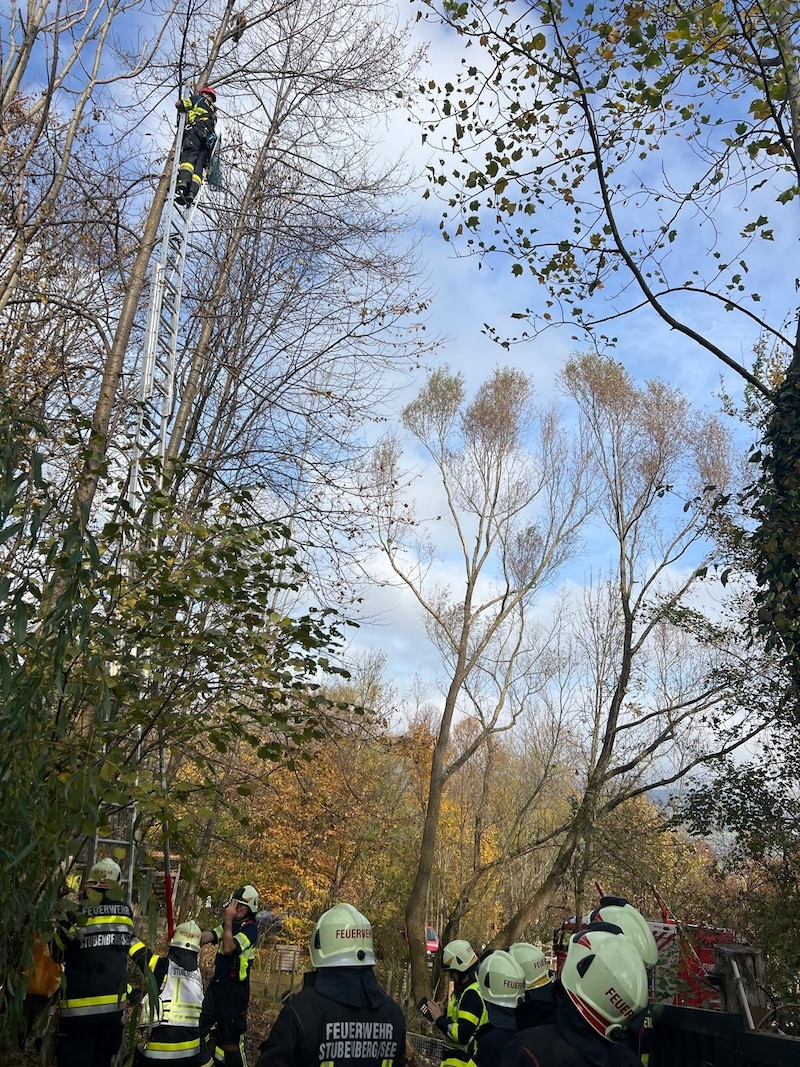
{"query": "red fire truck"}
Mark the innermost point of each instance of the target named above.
(685, 956)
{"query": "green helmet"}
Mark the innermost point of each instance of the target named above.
(342, 938)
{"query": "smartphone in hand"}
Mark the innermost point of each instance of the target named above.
(422, 1007)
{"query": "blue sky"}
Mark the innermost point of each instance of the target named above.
(466, 297)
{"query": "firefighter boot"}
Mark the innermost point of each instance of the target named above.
(182, 191)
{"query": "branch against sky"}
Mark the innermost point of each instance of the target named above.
(623, 158)
(303, 301)
(641, 163)
(56, 70)
(638, 683)
(300, 291)
(657, 684)
(515, 490)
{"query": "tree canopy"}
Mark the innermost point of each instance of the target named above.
(630, 158)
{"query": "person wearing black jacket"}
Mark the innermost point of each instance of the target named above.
(604, 984)
(341, 1017)
(95, 945)
(466, 1011)
(501, 981)
(228, 995)
(539, 1003)
(200, 110)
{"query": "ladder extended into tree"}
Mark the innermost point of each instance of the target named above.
(156, 397)
(155, 410)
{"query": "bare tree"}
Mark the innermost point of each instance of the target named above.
(643, 161)
(299, 285)
(655, 677)
(69, 50)
(514, 486)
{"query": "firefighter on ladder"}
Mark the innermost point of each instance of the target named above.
(197, 145)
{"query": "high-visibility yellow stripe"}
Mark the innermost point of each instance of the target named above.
(120, 922)
(166, 1046)
(80, 1002)
(92, 1005)
(166, 1057)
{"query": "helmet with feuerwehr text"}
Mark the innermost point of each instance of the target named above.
(501, 980)
(533, 962)
(605, 978)
(342, 938)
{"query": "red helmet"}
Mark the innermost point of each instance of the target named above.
(209, 90)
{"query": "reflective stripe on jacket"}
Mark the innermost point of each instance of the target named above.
(96, 953)
(465, 1013)
(201, 114)
(175, 1036)
(236, 968)
(180, 997)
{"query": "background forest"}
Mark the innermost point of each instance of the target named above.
(601, 687)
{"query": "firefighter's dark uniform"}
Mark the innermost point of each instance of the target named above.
(489, 1041)
(538, 1007)
(175, 1036)
(95, 949)
(340, 1018)
(228, 995)
(198, 138)
(466, 1012)
(568, 1042)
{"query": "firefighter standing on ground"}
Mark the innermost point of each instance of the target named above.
(228, 995)
(174, 1033)
(605, 994)
(341, 1017)
(501, 981)
(198, 141)
(95, 948)
(620, 912)
(538, 1006)
(465, 1008)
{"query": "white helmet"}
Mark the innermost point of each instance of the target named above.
(501, 980)
(104, 871)
(458, 956)
(342, 938)
(532, 961)
(247, 895)
(621, 913)
(605, 978)
(186, 935)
